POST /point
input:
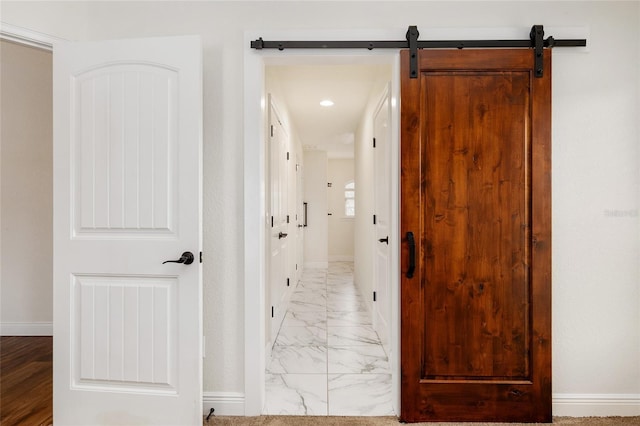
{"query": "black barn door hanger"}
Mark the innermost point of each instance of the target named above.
(536, 41)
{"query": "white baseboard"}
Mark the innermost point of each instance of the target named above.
(224, 403)
(569, 405)
(596, 405)
(340, 258)
(26, 329)
(316, 265)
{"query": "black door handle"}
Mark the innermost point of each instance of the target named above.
(282, 235)
(412, 254)
(384, 240)
(186, 258)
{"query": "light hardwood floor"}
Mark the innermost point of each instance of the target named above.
(26, 380)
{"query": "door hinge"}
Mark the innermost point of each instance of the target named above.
(374, 219)
(272, 130)
(287, 218)
(272, 312)
(272, 221)
(296, 266)
(200, 257)
(287, 155)
(287, 282)
(374, 142)
(374, 296)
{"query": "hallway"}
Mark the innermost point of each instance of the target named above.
(327, 358)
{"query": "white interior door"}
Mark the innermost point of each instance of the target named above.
(291, 217)
(127, 197)
(299, 218)
(382, 200)
(277, 229)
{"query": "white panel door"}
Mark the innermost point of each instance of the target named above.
(299, 218)
(277, 229)
(382, 200)
(127, 197)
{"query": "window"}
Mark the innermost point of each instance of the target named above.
(349, 199)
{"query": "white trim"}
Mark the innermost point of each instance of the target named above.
(587, 405)
(28, 37)
(254, 232)
(316, 265)
(224, 403)
(395, 238)
(26, 329)
(340, 258)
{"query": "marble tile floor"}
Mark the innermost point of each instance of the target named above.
(327, 358)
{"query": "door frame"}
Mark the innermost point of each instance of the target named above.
(27, 37)
(254, 115)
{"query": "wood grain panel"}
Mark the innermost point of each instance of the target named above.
(476, 193)
(477, 217)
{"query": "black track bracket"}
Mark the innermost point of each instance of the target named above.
(536, 42)
(412, 38)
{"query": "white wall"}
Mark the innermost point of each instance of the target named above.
(341, 227)
(26, 190)
(596, 278)
(316, 250)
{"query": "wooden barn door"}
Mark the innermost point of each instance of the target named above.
(476, 222)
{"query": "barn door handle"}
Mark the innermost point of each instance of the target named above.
(186, 258)
(384, 240)
(282, 235)
(412, 254)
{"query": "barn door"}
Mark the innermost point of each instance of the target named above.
(127, 199)
(476, 223)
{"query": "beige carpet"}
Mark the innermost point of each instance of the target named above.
(389, 421)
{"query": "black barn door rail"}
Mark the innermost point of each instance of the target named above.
(536, 41)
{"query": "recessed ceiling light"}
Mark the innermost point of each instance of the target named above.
(326, 103)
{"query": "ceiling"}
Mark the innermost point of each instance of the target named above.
(331, 129)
